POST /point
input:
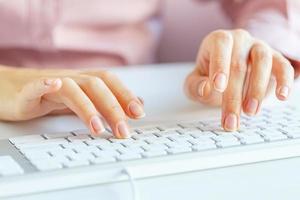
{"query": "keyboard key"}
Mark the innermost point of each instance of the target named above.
(37, 155)
(179, 138)
(110, 146)
(178, 144)
(129, 156)
(225, 138)
(275, 137)
(45, 149)
(57, 135)
(76, 163)
(134, 143)
(157, 140)
(206, 134)
(167, 134)
(149, 154)
(170, 127)
(203, 147)
(249, 138)
(115, 140)
(201, 141)
(26, 138)
(144, 136)
(228, 143)
(179, 150)
(8, 166)
(102, 160)
(80, 138)
(81, 156)
(97, 142)
(45, 165)
(155, 147)
(106, 153)
(130, 150)
(190, 125)
(148, 130)
(43, 143)
(81, 132)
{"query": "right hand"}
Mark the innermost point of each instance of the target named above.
(28, 93)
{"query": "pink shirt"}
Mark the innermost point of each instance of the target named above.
(79, 33)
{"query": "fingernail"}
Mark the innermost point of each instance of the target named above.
(220, 82)
(251, 106)
(49, 82)
(201, 88)
(230, 123)
(136, 109)
(97, 125)
(284, 91)
(123, 129)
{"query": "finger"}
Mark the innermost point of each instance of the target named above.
(197, 88)
(261, 61)
(30, 97)
(219, 59)
(75, 99)
(130, 103)
(36, 89)
(233, 95)
(284, 74)
(107, 105)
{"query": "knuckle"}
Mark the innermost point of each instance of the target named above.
(107, 75)
(259, 90)
(115, 113)
(92, 81)
(233, 102)
(67, 80)
(220, 62)
(261, 51)
(242, 33)
(238, 66)
(222, 36)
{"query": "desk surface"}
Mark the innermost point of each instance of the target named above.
(161, 88)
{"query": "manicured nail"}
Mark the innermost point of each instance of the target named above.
(123, 129)
(284, 91)
(220, 82)
(97, 125)
(201, 88)
(251, 107)
(49, 82)
(230, 123)
(136, 109)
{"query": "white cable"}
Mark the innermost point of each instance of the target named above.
(134, 189)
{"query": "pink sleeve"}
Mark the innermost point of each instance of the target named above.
(274, 21)
(46, 33)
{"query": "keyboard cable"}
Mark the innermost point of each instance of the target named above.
(132, 181)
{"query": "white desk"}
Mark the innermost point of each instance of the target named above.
(161, 87)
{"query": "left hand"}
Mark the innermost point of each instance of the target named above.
(234, 69)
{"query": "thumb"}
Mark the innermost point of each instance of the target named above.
(198, 88)
(32, 92)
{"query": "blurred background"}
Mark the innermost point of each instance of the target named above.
(181, 43)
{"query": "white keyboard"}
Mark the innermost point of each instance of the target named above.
(151, 151)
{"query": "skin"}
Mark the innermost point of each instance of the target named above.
(233, 69)
(91, 95)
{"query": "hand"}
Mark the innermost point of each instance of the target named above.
(28, 93)
(234, 70)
